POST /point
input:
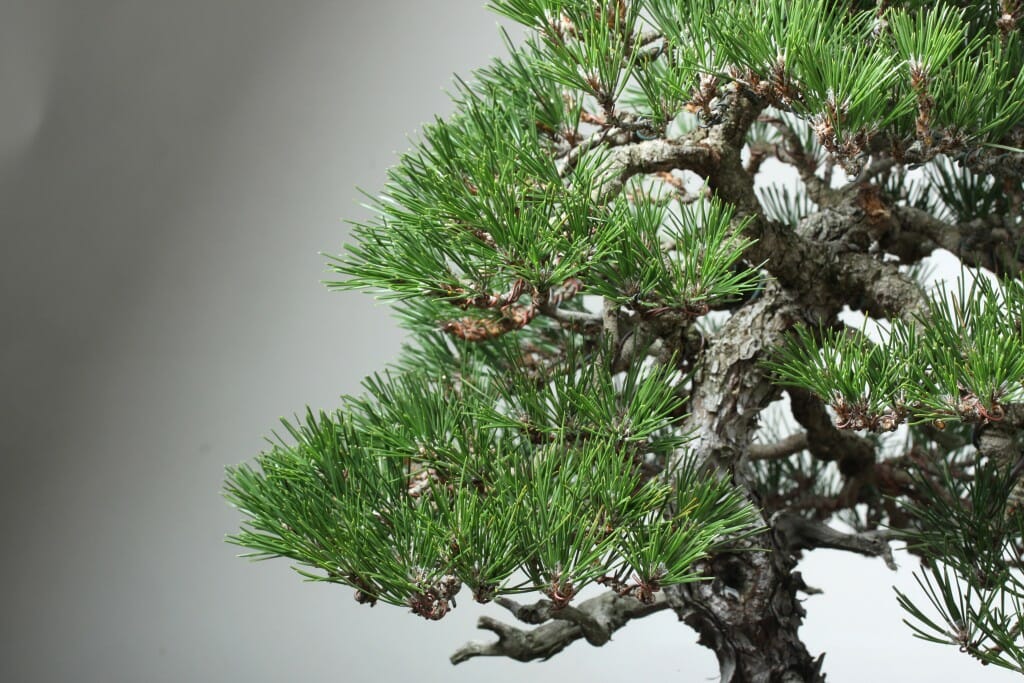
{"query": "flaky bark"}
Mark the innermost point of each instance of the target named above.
(748, 613)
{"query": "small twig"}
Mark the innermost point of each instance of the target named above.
(794, 443)
(570, 317)
(794, 154)
(875, 168)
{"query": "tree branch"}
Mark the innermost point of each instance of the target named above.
(990, 242)
(794, 154)
(606, 136)
(794, 443)
(800, 262)
(536, 614)
(582, 320)
(855, 455)
(594, 619)
(796, 532)
(543, 611)
(655, 156)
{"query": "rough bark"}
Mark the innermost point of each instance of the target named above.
(594, 620)
(749, 616)
(748, 613)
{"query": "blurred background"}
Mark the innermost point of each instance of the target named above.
(169, 172)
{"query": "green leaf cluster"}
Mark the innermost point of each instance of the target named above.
(589, 46)
(930, 77)
(479, 204)
(962, 361)
(429, 482)
(683, 261)
(916, 69)
(971, 577)
(481, 212)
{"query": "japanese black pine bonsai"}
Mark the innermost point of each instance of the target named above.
(607, 280)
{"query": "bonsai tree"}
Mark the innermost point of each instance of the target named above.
(645, 356)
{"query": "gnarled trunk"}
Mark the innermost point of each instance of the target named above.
(748, 613)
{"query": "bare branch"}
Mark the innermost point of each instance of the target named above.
(537, 613)
(794, 154)
(543, 611)
(990, 242)
(595, 632)
(796, 532)
(653, 156)
(610, 136)
(794, 443)
(594, 619)
(877, 167)
(995, 160)
(581, 319)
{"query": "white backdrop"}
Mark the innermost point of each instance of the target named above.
(168, 173)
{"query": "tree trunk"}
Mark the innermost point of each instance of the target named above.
(748, 613)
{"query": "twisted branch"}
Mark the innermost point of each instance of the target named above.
(594, 619)
(796, 532)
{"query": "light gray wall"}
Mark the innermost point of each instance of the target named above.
(168, 173)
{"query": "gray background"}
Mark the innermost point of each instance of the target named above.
(168, 173)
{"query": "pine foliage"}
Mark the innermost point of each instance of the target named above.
(600, 233)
